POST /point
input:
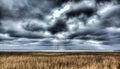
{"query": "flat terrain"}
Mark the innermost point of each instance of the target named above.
(60, 60)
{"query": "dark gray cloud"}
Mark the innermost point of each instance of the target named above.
(94, 21)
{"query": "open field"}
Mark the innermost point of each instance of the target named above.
(60, 60)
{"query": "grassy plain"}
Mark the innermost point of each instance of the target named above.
(68, 60)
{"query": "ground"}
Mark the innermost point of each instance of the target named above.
(69, 60)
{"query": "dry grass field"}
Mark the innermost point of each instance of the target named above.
(60, 60)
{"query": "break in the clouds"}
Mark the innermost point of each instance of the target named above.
(60, 24)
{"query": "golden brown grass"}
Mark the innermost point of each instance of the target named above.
(60, 60)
